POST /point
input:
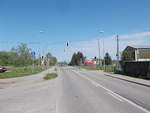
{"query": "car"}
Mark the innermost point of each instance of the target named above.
(2, 69)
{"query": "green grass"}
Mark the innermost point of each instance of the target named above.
(89, 67)
(108, 68)
(55, 69)
(20, 71)
(50, 76)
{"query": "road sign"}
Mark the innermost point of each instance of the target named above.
(33, 53)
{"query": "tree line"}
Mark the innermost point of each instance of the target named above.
(21, 56)
(79, 59)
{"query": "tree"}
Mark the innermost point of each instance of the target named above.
(48, 55)
(107, 59)
(127, 55)
(73, 59)
(21, 55)
(77, 58)
(80, 58)
(53, 60)
(4, 58)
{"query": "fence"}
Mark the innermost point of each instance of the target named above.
(137, 68)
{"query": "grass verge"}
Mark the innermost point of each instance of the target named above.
(89, 67)
(50, 76)
(110, 68)
(21, 71)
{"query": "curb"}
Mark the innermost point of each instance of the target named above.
(128, 80)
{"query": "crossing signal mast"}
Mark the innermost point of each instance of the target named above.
(65, 50)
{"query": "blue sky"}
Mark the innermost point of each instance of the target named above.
(75, 21)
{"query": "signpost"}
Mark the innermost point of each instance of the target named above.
(33, 57)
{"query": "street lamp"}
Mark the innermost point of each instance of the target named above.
(98, 42)
(101, 31)
(41, 32)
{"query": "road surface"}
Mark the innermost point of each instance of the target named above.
(29, 94)
(74, 91)
(82, 91)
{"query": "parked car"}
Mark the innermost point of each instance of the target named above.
(2, 69)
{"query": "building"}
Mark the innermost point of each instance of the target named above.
(90, 62)
(140, 53)
(139, 61)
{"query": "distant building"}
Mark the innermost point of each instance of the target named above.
(92, 61)
(141, 53)
(89, 62)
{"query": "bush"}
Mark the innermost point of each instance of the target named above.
(50, 76)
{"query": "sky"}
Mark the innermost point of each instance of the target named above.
(46, 25)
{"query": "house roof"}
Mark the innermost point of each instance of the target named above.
(140, 46)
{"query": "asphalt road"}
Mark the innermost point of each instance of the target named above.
(73, 91)
(29, 94)
(81, 91)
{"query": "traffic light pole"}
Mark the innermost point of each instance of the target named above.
(104, 54)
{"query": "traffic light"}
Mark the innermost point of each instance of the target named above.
(42, 57)
(67, 44)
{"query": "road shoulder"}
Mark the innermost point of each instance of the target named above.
(26, 80)
(126, 78)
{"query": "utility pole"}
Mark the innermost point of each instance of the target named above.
(117, 55)
(98, 52)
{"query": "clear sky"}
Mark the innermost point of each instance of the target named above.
(75, 21)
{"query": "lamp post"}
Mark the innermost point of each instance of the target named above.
(98, 52)
(98, 42)
(104, 54)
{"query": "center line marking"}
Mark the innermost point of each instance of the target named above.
(112, 93)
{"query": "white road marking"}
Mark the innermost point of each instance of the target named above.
(112, 93)
(115, 96)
